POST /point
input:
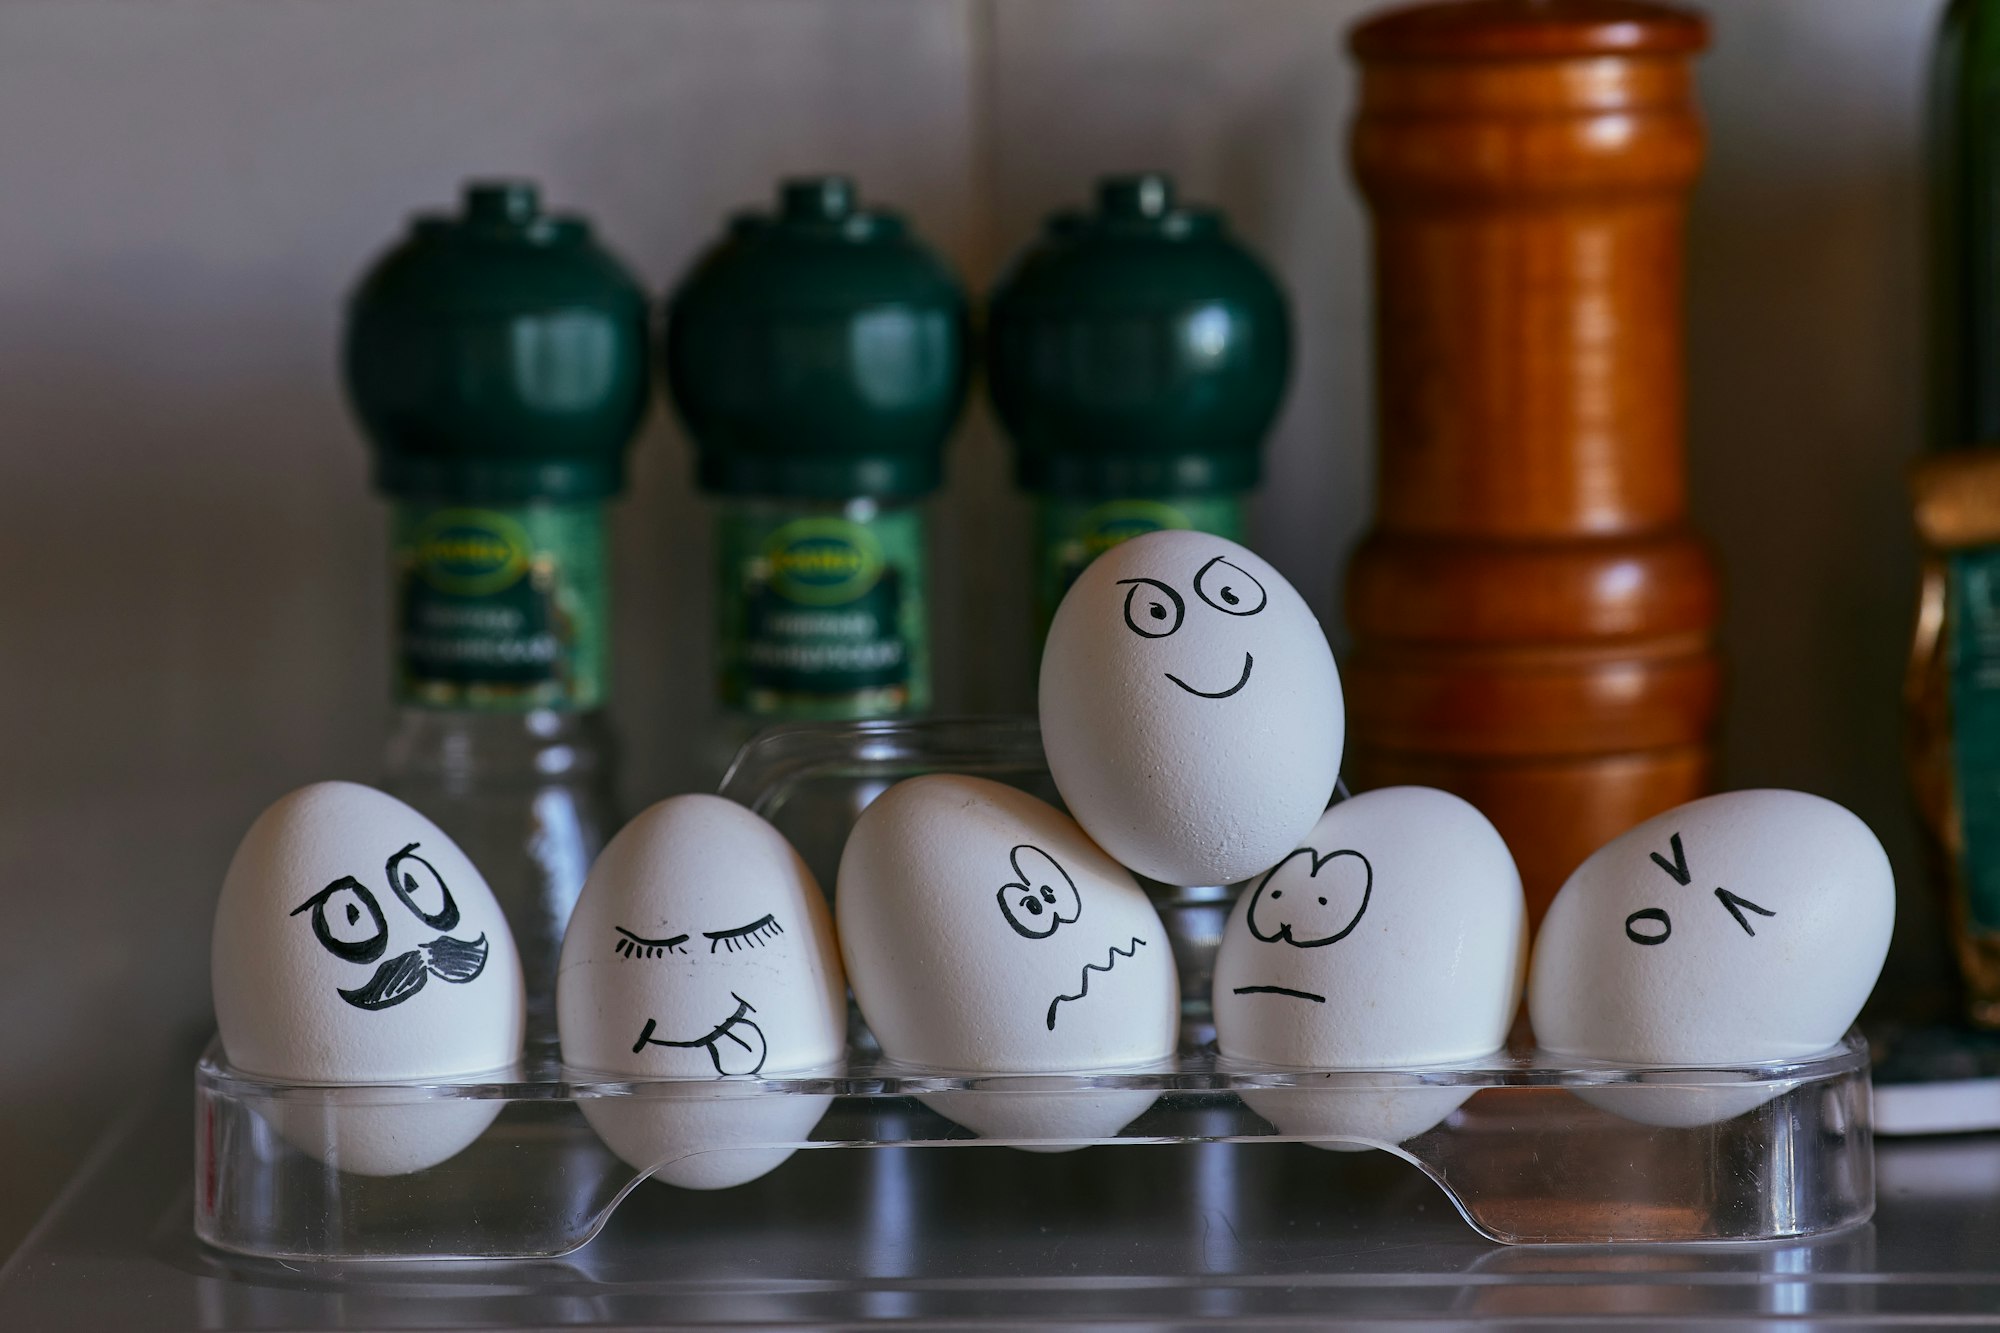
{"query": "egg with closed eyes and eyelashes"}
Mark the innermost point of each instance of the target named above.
(354, 943)
(701, 951)
(1393, 937)
(1741, 928)
(1190, 708)
(985, 933)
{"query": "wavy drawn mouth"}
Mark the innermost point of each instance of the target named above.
(735, 1045)
(398, 978)
(1111, 957)
(1281, 990)
(1218, 694)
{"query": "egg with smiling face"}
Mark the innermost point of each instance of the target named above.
(354, 943)
(1394, 936)
(1190, 708)
(984, 932)
(701, 952)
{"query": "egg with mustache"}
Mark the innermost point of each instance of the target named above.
(355, 943)
(700, 956)
(1190, 709)
(984, 932)
(1394, 936)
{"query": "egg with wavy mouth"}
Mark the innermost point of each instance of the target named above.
(1190, 708)
(1393, 937)
(354, 943)
(985, 933)
(700, 956)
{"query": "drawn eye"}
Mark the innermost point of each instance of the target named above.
(1041, 897)
(1152, 609)
(638, 946)
(753, 936)
(417, 882)
(347, 920)
(1229, 588)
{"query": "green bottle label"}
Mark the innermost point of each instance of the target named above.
(1069, 534)
(1973, 614)
(501, 608)
(823, 615)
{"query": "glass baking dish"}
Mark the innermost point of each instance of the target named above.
(1530, 1149)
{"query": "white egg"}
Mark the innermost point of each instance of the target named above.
(1394, 937)
(1742, 928)
(355, 943)
(984, 932)
(1190, 708)
(701, 948)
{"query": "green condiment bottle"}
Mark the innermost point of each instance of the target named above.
(497, 359)
(817, 356)
(1137, 355)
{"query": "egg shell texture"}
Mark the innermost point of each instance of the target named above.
(1748, 926)
(354, 942)
(1190, 708)
(984, 931)
(700, 946)
(1402, 913)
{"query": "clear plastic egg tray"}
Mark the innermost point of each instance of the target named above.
(1538, 1149)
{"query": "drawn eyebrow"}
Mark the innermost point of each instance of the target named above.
(745, 937)
(638, 946)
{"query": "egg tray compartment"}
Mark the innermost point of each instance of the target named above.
(1542, 1150)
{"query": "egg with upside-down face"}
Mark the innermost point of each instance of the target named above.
(985, 933)
(1190, 708)
(700, 955)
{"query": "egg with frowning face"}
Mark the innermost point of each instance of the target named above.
(985, 933)
(1190, 708)
(354, 943)
(1740, 928)
(1395, 936)
(701, 951)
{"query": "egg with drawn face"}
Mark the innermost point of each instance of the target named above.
(984, 932)
(355, 943)
(1190, 708)
(701, 951)
(1393, 937)
(1740, 928)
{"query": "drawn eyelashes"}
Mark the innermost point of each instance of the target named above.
(335, 923)
(1041, 897)
(759, 932)
(753, 936)
(1225, 590)
(638, 946)
(1148, 616)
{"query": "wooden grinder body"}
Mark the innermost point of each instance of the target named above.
(1533, 617)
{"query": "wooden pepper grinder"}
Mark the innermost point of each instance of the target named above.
(1533, 617)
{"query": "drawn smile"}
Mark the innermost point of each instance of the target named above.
(1218, 694)
(396, 980)
(1111, 957)
(734, 1046)
(1281, 990)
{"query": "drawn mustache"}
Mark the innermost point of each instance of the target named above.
(398, 978)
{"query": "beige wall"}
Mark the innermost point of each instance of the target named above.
(192, 616)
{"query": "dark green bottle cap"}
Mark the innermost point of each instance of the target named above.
(1137, 350)
(818, 352)
(499, 355)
